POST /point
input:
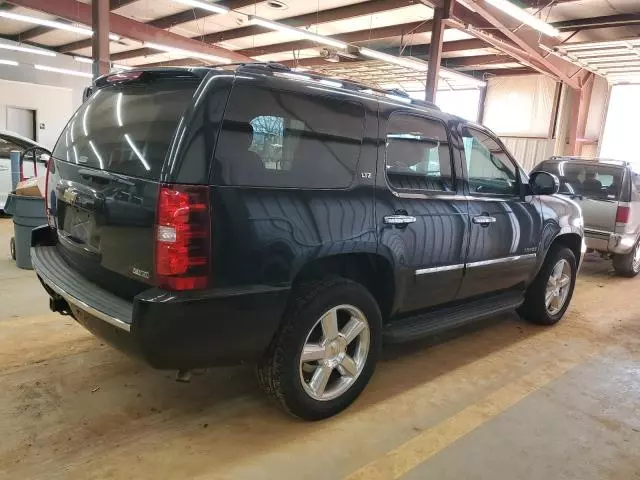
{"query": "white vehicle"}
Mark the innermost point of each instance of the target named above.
(9, 142)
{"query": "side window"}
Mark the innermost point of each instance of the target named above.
(273, 138)
(418, 156)
(490, 169)
(6, 147)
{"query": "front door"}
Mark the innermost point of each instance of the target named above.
(504, 226)
(422, 220)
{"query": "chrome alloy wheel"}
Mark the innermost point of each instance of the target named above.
(558, 287)
(334, 353)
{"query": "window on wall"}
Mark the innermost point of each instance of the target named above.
(286, 139)
(489, 168)
(418, 156)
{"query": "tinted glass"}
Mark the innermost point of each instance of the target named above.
(490, 169)
(596, 181)
(284, 139)
(418, 156)
(6, 147)
(126, 129)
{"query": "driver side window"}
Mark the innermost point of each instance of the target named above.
(489, 168)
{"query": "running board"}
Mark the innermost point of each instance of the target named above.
(438, 321)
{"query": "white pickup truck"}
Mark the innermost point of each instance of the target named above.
(9, 142)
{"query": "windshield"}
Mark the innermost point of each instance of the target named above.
(595, 181)
(126, 128)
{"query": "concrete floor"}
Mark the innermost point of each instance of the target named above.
(505, 401)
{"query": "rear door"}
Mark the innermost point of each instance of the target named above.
(504, 228)
(597, 188)
(104, 185)
(422, 216)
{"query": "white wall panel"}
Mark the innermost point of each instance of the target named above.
(53, 106)
(529, 151)
(519, 105)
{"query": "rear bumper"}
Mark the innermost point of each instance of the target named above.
(168, 330)
(609, 242)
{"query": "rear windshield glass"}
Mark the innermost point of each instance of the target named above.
(126, 128)
(595, 181)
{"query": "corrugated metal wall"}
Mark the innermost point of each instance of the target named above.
(529, 151)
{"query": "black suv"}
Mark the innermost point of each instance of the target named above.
(210, 216)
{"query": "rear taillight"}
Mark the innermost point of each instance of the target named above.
(622, 214)
(48, 210)
(183, 232)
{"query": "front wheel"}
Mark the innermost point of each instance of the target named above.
(326, 350)
(628, 265)
(548, 297)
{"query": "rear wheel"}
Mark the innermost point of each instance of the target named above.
(12, 248)
(628, 265)
(548, 297)
(326, 350)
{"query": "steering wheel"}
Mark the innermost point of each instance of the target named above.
(33, 153)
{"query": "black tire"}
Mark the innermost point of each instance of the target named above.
(624, 265)
(279, 371)
(12, 248)
(534, 308)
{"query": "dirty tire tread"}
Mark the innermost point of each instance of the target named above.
(623, 264)
(534, 309)
(269, 369)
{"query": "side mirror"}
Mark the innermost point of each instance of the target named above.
(544, 183)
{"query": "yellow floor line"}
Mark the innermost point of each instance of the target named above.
(401, 460)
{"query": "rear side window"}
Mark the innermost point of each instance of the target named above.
(126, 128)
(272, 138)
(418, 156)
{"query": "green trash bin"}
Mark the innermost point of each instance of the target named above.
(28, 213)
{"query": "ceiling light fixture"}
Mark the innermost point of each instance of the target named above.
(186, 53)
(448, 74)
(211, 7)
(70, 27)
(118, 66)
(35, 51)
(63, 71)
(525, 17)
(298, 32)
(47, 23)
(82, 59)
(385, 57)
(420, 67)
(9, 62)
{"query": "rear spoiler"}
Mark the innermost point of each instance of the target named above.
(143, 75)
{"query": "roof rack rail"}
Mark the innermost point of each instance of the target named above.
(611, 161)
(346, 83)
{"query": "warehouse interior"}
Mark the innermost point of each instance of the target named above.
(498, 399)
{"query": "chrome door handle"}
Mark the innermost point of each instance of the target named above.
(484, 220)
(399, 219)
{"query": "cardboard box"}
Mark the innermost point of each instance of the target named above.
(32, 187)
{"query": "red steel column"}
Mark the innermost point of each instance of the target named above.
(100, 40)
(580, 111)
(435, 49)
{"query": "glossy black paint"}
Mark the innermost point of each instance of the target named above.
(265, 239)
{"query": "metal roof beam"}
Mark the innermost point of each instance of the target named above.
(608, 21)
(41, 30)
(81, 13)
(322, 16)
(521, 43)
